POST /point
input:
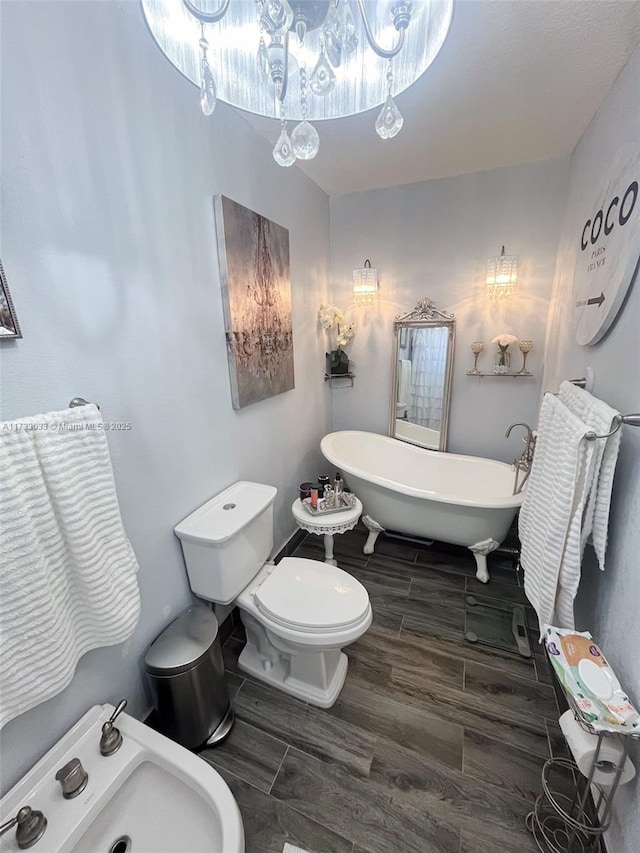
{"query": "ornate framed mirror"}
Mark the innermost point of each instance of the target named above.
(421, 376)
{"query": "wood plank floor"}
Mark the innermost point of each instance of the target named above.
(434, 745)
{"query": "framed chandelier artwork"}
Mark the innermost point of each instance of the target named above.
(253, 253)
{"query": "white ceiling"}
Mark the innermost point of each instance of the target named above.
(516, 81)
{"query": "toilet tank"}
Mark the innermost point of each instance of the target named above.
(227, 540)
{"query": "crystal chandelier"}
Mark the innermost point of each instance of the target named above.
(303, 61)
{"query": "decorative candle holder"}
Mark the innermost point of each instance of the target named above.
(476, 348)
(525, 348)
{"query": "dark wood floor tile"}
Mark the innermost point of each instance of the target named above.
(442, 740)
(434, 591)
(379, 582)
(486, 684)
(557, 744)
(479, 842)
(250, 754)
(307, 728)
(471, 711)
(392, 566)
(453, 643)
(506, 592)
(428, 578)
(230, 653)
(430, 613)
(493, 761)
(418, 662)
(234, 683)
(461, 563)
(544, 672)
(269, 824)
(456, 799)
(386, 547)
(367, 666)
(358, 809)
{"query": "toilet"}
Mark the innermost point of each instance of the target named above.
(298, 614)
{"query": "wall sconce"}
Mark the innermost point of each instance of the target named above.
(365, 283)
(502, 274)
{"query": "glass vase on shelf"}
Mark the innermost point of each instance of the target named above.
(503, 362)
(337, 362)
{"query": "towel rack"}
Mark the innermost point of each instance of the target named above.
(80, 401)
(618, 420)
(632, 419)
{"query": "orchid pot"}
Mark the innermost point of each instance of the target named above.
(337, 362)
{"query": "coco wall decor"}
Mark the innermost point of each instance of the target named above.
(9, 326)
(608, 248)
(256, 299)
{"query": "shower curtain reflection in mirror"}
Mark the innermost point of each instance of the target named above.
(428, 356)
(421, 375)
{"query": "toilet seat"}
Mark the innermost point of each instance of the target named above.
(309, 596)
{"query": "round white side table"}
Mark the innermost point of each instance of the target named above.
(327, 525)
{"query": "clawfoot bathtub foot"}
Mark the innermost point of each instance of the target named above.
(375, 530)
(480, 551)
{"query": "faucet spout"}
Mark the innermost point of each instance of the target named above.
(520, 423)
(526, 457)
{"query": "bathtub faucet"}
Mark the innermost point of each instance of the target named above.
(524, 462)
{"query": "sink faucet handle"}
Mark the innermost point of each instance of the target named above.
(31, 826)
(73, 778)
(111, 739)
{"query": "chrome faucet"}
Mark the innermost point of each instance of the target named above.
(111, 739)
(31, 826)
(525, 460)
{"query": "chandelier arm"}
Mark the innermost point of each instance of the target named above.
(381, 51)
(282, 94)
(207, 17)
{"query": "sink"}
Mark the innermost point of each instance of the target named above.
(151, 796)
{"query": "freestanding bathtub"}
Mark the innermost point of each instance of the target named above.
(463, 500)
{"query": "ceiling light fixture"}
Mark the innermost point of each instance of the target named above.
(303, 60)
(502, 274)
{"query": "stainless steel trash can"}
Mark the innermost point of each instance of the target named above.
(186, 673)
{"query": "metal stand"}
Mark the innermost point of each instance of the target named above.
(565, 818)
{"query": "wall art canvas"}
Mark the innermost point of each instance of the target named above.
(9, 327)
(256, 298)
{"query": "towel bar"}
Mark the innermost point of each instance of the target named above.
(630, 420)
(80, 401)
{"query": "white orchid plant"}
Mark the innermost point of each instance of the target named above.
(332, 317)
(504, 341)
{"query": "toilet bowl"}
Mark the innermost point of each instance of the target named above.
(298, 614)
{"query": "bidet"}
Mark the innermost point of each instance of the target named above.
(151, 794)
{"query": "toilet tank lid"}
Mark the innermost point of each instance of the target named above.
(227, 513)
(183, 642)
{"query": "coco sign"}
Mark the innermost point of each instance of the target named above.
(608, 248)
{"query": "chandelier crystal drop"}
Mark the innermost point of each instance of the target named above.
(208, 95)
(260, 50)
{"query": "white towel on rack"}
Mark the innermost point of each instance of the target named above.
(598, 416)
(551, 514)
(68, 582)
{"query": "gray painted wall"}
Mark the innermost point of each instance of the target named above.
(608, 604)
(108, 244)
(432, 240)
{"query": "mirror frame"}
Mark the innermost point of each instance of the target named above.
(424, 316)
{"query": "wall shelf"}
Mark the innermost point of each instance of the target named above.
(335, 380)
(515, 375)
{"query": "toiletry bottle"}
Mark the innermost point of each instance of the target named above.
(323, 482)
(337, 490)
(314, 496)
